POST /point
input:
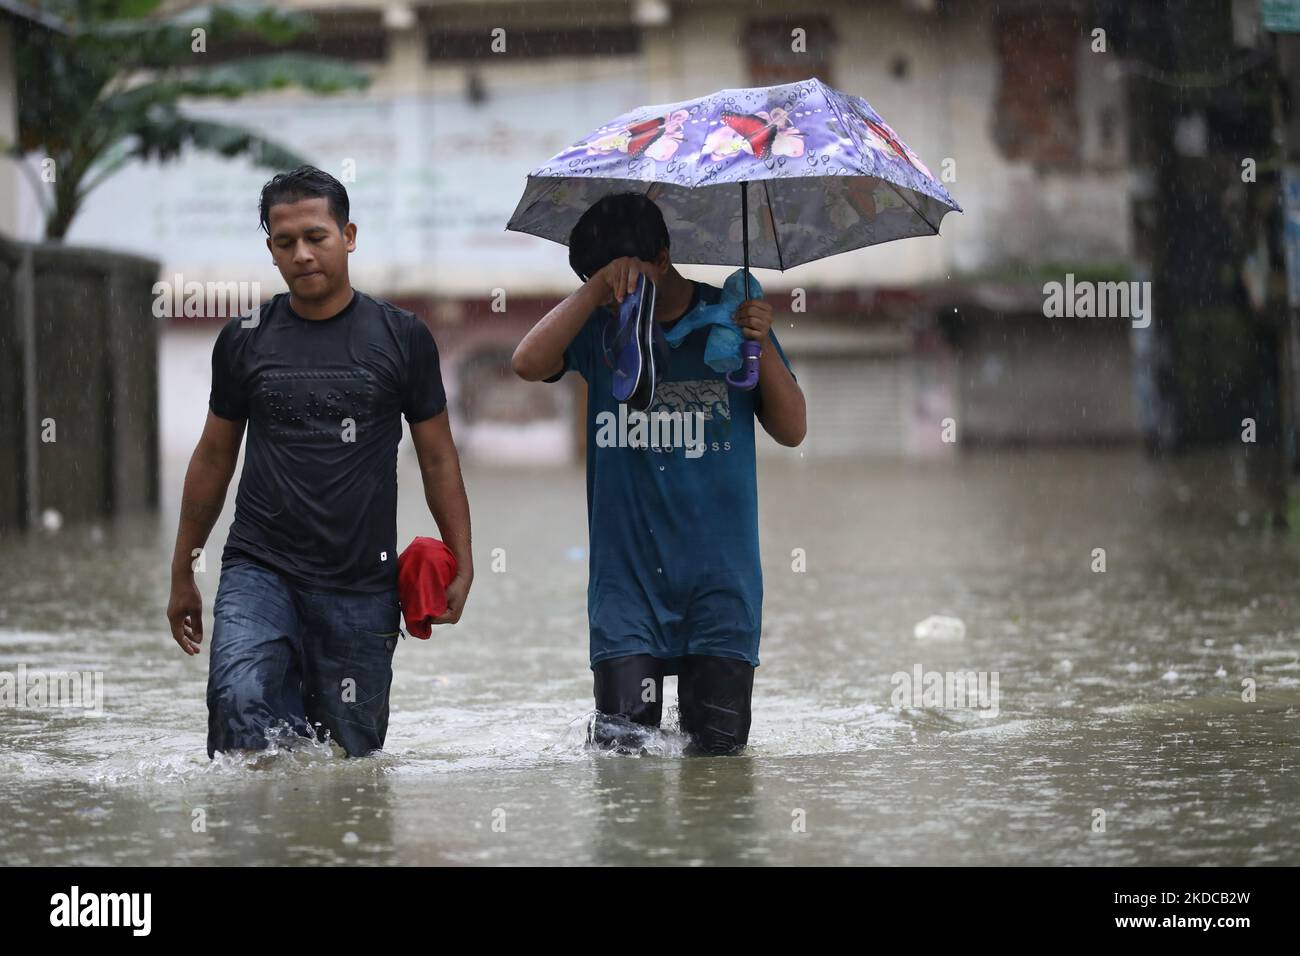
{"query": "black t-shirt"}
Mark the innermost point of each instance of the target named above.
(324, 398)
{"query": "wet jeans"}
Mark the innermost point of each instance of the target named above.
(317, 662)
(713, 696)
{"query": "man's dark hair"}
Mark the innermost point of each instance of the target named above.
(621, 224)
(305, 182)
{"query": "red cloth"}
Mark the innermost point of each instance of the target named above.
(424, 570)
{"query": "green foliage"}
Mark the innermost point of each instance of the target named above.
(111, 89)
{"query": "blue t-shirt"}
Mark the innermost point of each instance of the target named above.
(672, 505)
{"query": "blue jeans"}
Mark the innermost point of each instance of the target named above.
(317, 661)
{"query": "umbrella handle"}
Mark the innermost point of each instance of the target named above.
(746, 377)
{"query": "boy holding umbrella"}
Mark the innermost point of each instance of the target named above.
(675, 580)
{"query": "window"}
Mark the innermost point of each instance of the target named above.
(354, 36)
(533, 43)
(1035, 116)
(772, 56)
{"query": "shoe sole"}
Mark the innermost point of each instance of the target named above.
(626, 383)
(642, 396)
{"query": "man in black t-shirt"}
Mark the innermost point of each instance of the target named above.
(306, 616)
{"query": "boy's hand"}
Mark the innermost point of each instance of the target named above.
(754, 316)
(618, 278)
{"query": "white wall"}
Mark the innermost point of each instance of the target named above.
(437, 176)
(9, 184)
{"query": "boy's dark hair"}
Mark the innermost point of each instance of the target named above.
(305, 182)
(621, 224)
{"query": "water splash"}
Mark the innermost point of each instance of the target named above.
(614, 735)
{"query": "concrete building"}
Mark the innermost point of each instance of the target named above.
(1010, 101)
(14, 17)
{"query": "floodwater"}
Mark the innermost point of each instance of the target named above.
(1119, 692)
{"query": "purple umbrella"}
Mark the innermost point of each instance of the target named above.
(829, 175)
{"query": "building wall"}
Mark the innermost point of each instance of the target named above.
(1025, 379)
(1019, 211)
(438, 174)
(1017, 113)
(8, 131)
(87, 444)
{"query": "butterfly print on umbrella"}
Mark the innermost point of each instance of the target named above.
(760, 134)
(657, 138)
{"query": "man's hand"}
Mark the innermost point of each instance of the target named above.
(457, 594)
(754, 316)
(206, 480)
(444, 492)
(185, 613)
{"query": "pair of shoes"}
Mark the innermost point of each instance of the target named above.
(638, 355)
